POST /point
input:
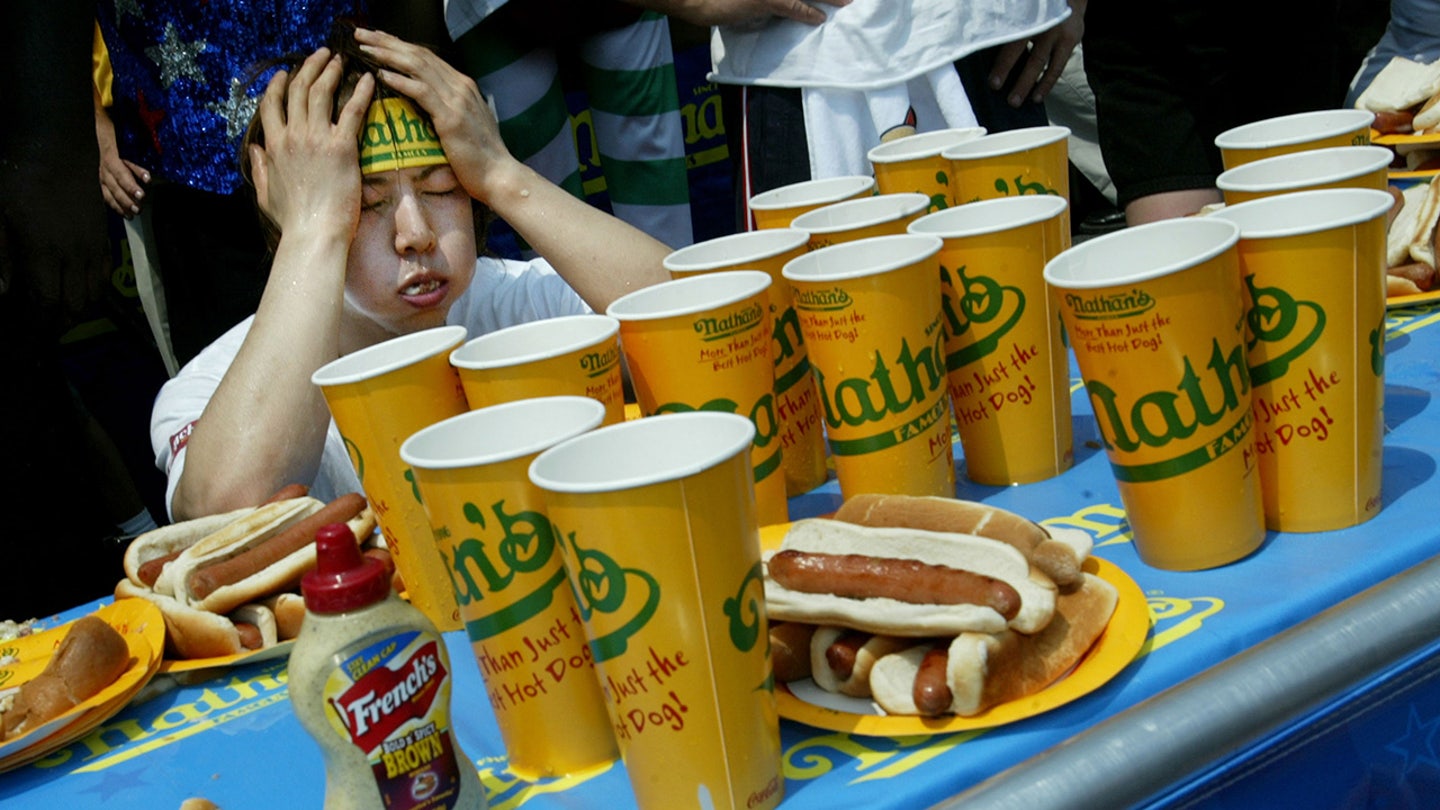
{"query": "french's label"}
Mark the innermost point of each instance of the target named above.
(390, 698)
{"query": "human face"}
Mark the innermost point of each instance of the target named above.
(413, 253)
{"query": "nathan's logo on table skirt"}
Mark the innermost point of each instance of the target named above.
(990, 308)
(523, 556)
(1276, 317)
(602, 585)
(1100, 307)
(1161, 416)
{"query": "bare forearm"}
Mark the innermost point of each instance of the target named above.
(600, 256)
(265, 426)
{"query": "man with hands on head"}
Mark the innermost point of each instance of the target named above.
(367, 255)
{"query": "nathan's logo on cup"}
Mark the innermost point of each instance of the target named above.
(382, 699)
(984, 304)
(481, 566)
(1276, 317)
(822, 300)
(1161, 416)
(602, 585)
(737, 322)
(1114, 305)
(596, 364)
(786, 341)
(893, 387)
(1020, 187)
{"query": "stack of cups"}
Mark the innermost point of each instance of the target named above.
(656, 520)
(525, 628)
(379, 396)
(577, 355)
(1015, 163)
(778, 207)
(1156, 316)
(1299, 132)
(872, 318)
(703, 343)
(796, 401)
(914, 164)
(1005, 357)
(1313, 265)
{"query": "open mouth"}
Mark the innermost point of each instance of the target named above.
(421, 287)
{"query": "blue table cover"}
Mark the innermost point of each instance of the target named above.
(235, 740)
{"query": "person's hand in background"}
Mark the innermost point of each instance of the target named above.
(1044, 60)
(121, 181)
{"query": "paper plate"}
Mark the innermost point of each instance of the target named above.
(804, 702)
(139, 622)
(1398, 301)
(170, 666)
(1394, 140)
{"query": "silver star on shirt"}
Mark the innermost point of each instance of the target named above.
(176, 58)
(236, 110)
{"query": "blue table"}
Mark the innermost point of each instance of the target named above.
(1304, 675)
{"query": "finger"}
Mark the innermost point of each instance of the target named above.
(1053, 71)
(352, 115)
(298, 95)
(798, 10)
(272, 104)
(322, 92)
(1029, 74)
(140, 172)
(1005, 60)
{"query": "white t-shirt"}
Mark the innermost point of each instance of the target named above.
(503, 293)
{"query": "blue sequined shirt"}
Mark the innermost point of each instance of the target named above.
(181, 101)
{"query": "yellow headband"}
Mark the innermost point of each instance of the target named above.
(397, 136)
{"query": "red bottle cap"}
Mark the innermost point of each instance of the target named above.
(343, 579)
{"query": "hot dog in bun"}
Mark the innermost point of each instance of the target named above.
(1059, 553)
(90, 657)
(973, 672)
(904, 582)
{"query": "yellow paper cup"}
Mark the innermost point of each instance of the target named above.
(913, 163)
(1155, 315)
(1015, 163)
(882, 215)
(1332, 167)
(379, 396)
(575, 355)
(801, 437)
(525, 630)
(704, 344)
(657, 524)
(871, 314)
(1298, 132)
(1005, 354)
(778, 207)
(1314, 269)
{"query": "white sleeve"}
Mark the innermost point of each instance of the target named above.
(507, 293)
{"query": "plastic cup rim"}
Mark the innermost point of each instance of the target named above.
(926, 246)
(1008, 142)
(922, 144)
(1070, 256)
(588, 414)
(846, 186)
(604, 327)
(1237, 138)
(889, 207)
(708, 424)
(1235, 179)
(1380, 202)
(1045, 207)
(767, 244)
(737, 285)
(353, 368)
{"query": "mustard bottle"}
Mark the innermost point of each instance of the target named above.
(370, 681)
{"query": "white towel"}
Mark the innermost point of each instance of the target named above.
(841, 126)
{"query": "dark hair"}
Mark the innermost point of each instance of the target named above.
(355, 63)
